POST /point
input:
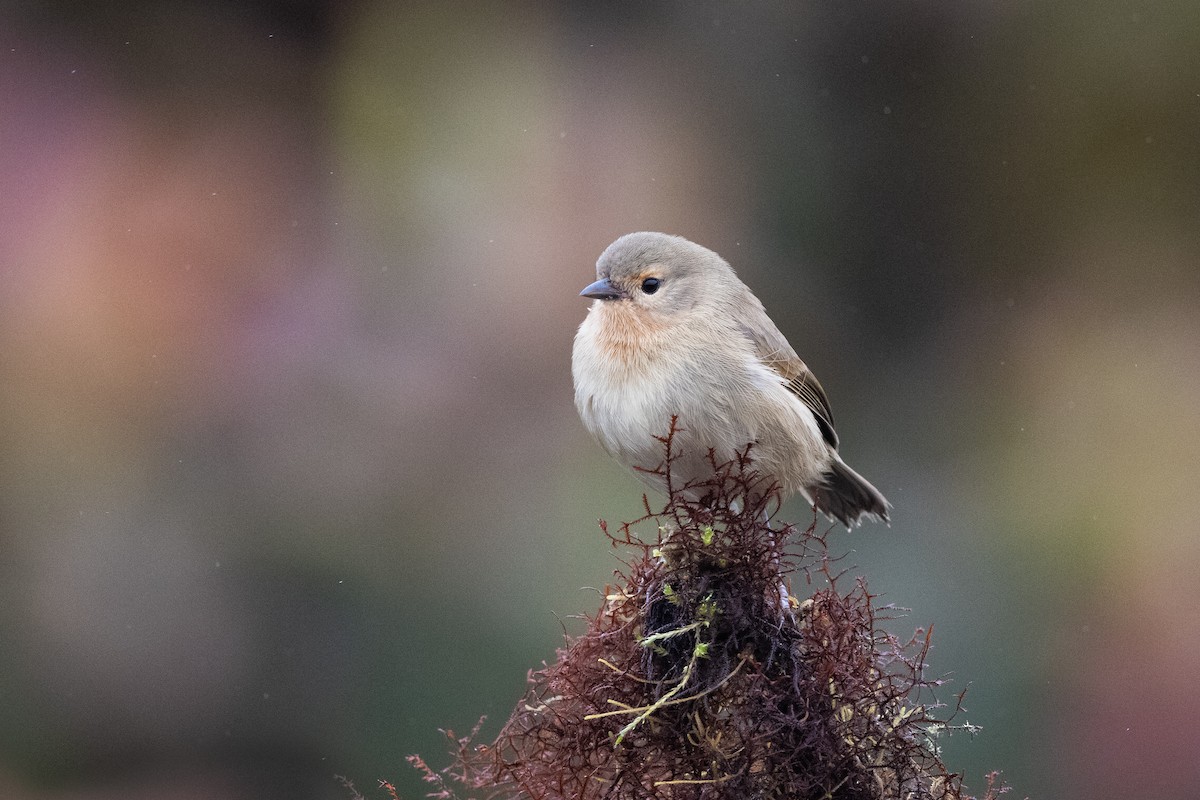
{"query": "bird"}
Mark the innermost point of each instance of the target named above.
(673, 334)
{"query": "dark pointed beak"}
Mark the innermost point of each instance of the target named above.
(600, 290)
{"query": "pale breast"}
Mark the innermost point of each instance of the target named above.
(622, 381)
(632, 377)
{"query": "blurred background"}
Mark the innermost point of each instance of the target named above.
(290, 473)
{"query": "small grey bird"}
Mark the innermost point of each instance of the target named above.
(673, 332)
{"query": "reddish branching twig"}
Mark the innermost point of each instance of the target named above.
(696, 679)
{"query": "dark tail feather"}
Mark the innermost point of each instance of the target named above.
(847, 496)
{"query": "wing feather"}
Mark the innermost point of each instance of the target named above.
(775, 352)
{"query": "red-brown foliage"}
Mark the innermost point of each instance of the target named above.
(696, 678)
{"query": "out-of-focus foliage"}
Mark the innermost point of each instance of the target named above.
(289, 470)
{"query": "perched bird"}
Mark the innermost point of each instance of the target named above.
(673, 332)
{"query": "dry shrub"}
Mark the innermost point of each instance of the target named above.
(701, 677)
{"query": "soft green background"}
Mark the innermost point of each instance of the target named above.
(290, 474)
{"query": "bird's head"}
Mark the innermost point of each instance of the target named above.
(659, 275)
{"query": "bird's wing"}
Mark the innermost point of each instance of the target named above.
(774, 351)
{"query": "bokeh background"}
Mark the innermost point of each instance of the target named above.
(290, 474)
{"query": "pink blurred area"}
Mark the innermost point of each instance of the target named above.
(290, 474)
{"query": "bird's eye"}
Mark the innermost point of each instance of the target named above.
(650, 285)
